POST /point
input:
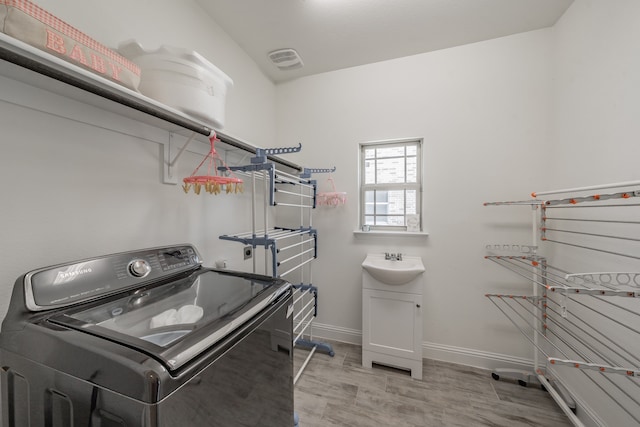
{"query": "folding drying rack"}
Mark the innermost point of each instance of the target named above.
(289, 249)
(584, 326)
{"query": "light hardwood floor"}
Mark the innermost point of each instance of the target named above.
(338, 391)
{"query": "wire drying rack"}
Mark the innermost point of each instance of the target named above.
(583, 316)
(291, 246)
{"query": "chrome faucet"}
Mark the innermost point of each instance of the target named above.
(393, 257)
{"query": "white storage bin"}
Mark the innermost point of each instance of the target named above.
(181, 79)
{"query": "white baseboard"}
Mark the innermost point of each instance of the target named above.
(460, 355)
(473, 357)
(337, 333)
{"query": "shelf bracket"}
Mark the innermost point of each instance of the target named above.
(168, 164)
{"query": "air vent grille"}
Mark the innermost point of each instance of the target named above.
(286, 59)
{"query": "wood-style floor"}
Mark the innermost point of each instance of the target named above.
(338, 391)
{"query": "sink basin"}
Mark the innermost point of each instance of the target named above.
(393, 272)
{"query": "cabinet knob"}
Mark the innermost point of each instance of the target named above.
(418, 305)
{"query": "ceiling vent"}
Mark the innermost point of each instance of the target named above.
(286, 59)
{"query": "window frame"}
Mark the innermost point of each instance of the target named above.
(417, 186)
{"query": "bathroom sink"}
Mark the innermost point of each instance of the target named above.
(392, 272)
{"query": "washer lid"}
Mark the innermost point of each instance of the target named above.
(177, 321)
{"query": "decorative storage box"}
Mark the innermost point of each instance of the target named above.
(181, 79)
(33, 25)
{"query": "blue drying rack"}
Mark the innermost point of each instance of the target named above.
(269, 239)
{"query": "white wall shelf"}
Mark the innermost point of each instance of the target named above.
(33, 66)
(27, 64)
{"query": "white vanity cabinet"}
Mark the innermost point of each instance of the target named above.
(392, 324)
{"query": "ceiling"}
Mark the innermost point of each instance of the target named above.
(335, 34)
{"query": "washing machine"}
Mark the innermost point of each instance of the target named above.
(147, 338)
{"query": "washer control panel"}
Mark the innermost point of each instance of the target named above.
(70, 283)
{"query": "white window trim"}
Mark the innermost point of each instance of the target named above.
(362, 187)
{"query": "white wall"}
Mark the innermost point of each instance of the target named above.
(594, 135)
(596, 93)
(482, 110)
(77, 181)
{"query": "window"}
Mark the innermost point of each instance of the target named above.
(391, 185)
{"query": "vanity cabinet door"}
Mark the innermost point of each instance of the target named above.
(392, 323)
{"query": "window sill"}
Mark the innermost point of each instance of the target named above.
(359, 233)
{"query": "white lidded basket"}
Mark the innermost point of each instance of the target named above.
(331, 198)
(182, 79)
